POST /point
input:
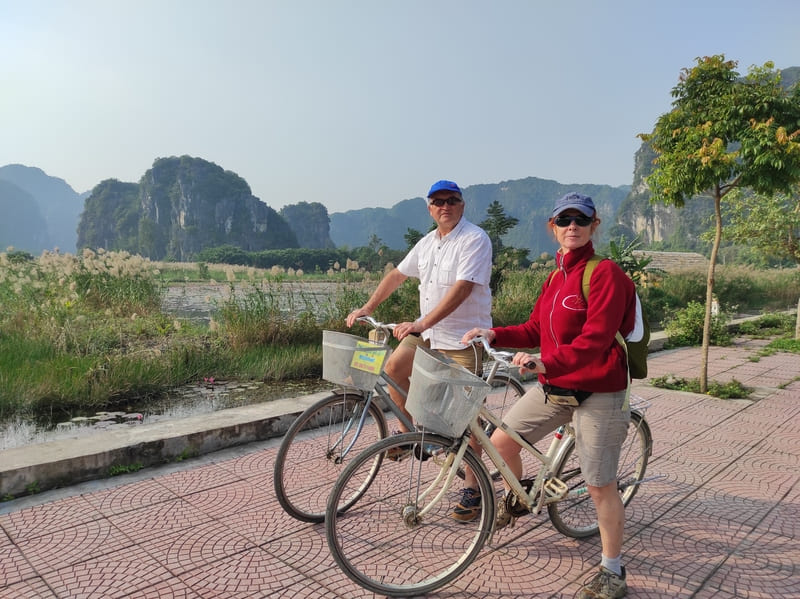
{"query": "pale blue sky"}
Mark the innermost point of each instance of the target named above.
(363, 102)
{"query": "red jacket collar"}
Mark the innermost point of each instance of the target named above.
(571, 259)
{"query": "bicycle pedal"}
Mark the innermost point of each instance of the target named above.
(555, 489)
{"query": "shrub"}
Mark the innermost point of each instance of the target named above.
(768, 325)
(513, 302)
(685, 327)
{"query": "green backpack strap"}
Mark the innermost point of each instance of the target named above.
(587, 275)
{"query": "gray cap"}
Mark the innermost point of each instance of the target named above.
(575, 200)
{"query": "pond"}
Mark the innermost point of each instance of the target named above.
(189, 400)
(198, 301)
(193, 301)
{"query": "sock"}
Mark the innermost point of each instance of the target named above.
(612, 564)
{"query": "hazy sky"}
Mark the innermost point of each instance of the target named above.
(359, 103)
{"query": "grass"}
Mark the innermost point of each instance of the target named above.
(86, 332)
(730, 390)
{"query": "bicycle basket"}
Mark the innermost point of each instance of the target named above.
(444, 396)
(352, 361)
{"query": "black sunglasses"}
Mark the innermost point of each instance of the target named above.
(451, 201)
(578, 219)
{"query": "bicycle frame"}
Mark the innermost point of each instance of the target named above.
(554, 489)
(546, 488)
(385, 398)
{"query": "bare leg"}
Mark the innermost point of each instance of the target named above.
(610, 517)
(510, 451)
(398, 367)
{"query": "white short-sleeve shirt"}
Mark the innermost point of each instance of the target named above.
(464, 254)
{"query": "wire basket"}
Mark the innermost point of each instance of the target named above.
(352, 361)
(444, 397)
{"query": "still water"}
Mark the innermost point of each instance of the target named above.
(194, 301)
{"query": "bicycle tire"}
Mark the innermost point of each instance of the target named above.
(576, 517)
(381, 544)
(505, 392)
(309, 459)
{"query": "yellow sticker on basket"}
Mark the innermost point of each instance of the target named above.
(368, 361)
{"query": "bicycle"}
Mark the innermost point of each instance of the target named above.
(399, 539)
(321, 440)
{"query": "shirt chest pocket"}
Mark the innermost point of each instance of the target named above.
(440, 270)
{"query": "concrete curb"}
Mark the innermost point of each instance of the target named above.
(54, 464)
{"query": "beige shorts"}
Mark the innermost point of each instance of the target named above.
(601, 426)
(470, 358)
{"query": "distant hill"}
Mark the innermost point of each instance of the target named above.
(530, 200)
(181, 206)
(58, 205)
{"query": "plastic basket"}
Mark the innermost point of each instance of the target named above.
(352, 361)
(444, 397)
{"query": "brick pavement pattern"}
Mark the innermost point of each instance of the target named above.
(720, 521)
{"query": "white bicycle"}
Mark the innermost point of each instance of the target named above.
(392, 532)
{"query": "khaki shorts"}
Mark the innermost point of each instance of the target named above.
(601, 426)
(470, 358)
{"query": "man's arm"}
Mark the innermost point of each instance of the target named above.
(452, 300)
(390, 282)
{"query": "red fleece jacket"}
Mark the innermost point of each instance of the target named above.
(577, 341)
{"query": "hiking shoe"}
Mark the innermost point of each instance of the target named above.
(503, 517)
(605, 585)
(469, 508)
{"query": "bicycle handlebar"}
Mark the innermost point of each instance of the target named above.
(376, 324)
(498, 354)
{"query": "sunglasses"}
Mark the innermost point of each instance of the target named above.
(451, 201)
(578, 219)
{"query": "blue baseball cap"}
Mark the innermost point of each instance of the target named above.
(444, 185)
(575, 200)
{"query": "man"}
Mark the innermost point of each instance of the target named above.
(453, 264)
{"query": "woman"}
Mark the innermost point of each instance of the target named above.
(581, 363)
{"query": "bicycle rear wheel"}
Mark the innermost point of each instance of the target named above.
(383, 542)
(311, 457)
(575, 516)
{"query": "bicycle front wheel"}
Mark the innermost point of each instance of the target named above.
(314, 452)
(575, 515)
(504, 393)
(396, 540)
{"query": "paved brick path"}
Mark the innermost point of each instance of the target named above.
(721, 522)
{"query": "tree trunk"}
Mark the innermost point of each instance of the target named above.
(797, 322)
(710, 290)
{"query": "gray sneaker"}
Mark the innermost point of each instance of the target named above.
(604, 585)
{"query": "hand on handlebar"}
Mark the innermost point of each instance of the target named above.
(488, 334)
(355, 315)
(404, 329)
(527, 363)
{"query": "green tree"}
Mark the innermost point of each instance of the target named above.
(769, 223)
(412, 236)
(496, 225)
(725, 132)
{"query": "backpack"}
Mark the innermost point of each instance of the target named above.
(635, 350)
